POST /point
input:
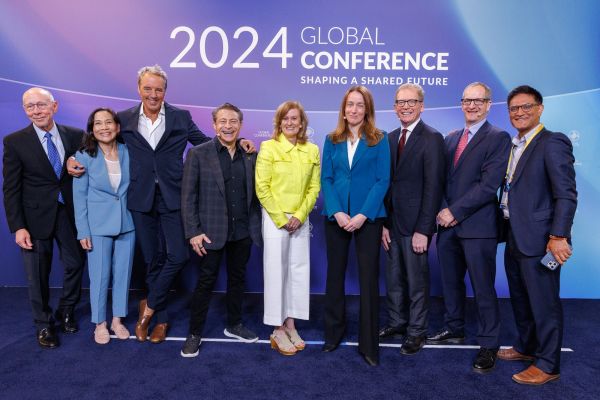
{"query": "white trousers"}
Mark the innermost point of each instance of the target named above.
(286, 268)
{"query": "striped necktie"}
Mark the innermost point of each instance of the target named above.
(55, 160)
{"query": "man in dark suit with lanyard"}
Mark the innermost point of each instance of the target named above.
(413, 200)
(467, 240)
(538, 202)
(38, 202)
(156, 135)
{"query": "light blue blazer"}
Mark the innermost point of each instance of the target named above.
(359, 189)
(99, 211)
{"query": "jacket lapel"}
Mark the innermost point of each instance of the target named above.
(410, 144)
(249, 178)
(132, 126)
(360, 150)
(471, 145)
(215, 166)
(525, 156)
(169, 120)
(38, 153)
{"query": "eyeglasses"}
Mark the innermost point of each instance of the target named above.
(40, 105)
(477, 102)
(411, 103)
(527, 107)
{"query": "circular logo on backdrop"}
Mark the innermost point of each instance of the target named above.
(574, 136)
(309, 132)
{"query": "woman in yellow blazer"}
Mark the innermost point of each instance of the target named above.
(287, 185)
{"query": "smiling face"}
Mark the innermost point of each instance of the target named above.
(475, 113)
(407, 113)
(152, 90)
(355, 109)
(291, 124)
(227, 127)
(104, 128)
(40, 108)
(524, 121)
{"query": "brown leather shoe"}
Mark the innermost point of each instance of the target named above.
(511, 354)
(534, 376)
(141, 308)
(159, 333)
(141, 328)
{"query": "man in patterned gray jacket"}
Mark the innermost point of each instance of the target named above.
(221, 215)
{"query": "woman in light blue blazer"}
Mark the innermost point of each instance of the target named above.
(104, 225)
(354, 179)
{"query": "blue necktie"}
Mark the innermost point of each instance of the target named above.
(55, 160)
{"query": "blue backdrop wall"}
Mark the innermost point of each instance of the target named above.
(258, 54)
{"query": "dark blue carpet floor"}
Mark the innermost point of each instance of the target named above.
(80, 369)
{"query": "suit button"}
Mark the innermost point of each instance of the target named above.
(116, 198)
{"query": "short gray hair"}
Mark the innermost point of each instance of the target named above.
(415, 86)
(154, 70)
(486, 88)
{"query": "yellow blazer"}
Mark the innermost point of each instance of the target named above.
(287, 179)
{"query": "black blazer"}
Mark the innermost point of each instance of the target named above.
(471, 191)
(164, 164)
(204, 202)
(30, 185)
(543, 196)
(417, 181)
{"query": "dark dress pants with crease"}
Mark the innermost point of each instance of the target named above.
(367, 242)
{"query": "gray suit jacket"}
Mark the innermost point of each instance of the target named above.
(203, 197)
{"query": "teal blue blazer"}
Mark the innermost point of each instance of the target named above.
(361, 188)
(99, 211)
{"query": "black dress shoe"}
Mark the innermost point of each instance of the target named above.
(412, 345)
(47, 338)
(391, 331)
(68, 323)
(446, 337)
(328, 347)
(485, 360)
(372, 361)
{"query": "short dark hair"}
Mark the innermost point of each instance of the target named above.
(89, 143)
(227, 106)
(525, 89)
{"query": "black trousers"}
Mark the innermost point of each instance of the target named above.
(368, 242)
(407, 282)
(38, 263)
(535, 298)
(237, 255)
(159, 233)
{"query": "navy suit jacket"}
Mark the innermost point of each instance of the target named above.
(204, 200)
(471, 191)
(99, 210)
(30, 184)
(360, 189)
(543, 197)
(417, 181)
(164, 164)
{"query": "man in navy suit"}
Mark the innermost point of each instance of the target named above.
(38, 202)
(467, 240)
(156, 135)
(538, 202)
(413, 200)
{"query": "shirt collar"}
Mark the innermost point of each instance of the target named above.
(220, 146)
(288, 146)
(473, 129)
(520, 141)
(161, 112)
(41, 133)
(411, 127)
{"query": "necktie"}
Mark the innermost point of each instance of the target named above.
(462, 143)
(55, 160)
(401, 144)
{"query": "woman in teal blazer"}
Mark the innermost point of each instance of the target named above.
(354, 179)
(104, 225)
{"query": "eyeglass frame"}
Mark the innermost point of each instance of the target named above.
(402, 103)
(40, 106)
(478, 102)
(527, 107)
